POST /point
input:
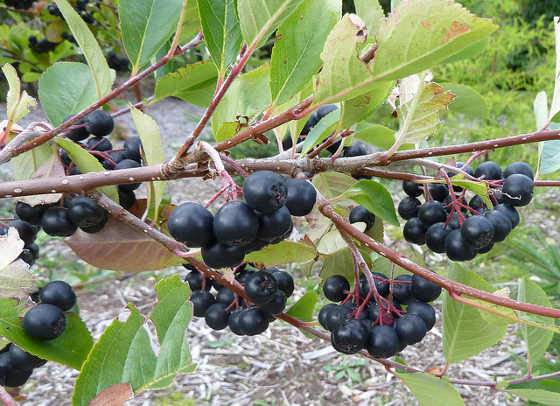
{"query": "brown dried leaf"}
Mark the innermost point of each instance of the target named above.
(115, 395)
(51, 169)
(119, 247)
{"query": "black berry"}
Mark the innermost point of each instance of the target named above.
(225, 296)
(274, 226)
(457, 248)
(412, 189)
(438, 191)
(30, 214)
(87, 214)
(99, 144)
(432, 212)
(325, 314)
(349, 338)
(58, 293)
(201, 301)
(435, 237)
(488, 171)
(57, 223)
(217, 316)
(133, 149)
(128, 164)
(284, 280)
(25, 230)
(424, 311)
(191, 224)
(44, 322)
(518, 190)
(265, 191)
(520, 168)
(336, 288)
(253, 321)
(501, 223)
(478, 231)
(100, 123)
(410, 329)
(360, 214)
(424, 290)
(414, 231)
(402, 292)
(276, 305)
(78, 132)
(219, 255)
(23, 360)
(383, 342)
(408, 207)
(510, 212)
(261, 287)
(301, 197)
(236, 224)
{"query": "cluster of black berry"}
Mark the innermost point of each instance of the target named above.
(384, 322)
(41, 46)
(446, 223)
(81, 7)
(267, 289)
(99, 125)
(46, 321)
(240, 227)
(20, 4)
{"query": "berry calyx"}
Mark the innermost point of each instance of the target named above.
(44, 322)
(192, 224)
(59, 294)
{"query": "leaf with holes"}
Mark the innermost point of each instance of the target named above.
(372, 13)
(102, 75)
(430, 390)
(375, 198)
(119, 247)
(124, 352)
(284, 252)
(70, 349)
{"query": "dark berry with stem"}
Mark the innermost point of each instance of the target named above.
(457, 248)
(360, 214)
(383, 342)
(30, 214)
(236, 224)
(274, 226)
(520, 168)
(195, 280)
(478, 204)
(265, 191)
(192, 224)
(349, 338)
(336, 288)
(411, 329)
(219, 255)
(217, 316)
(488, 171)
(412, 189)
(284, 280)
(338, 316)
(432, 212)
(100, 123)
(408, 207)
(302, 197)
(424, 290)
(501, 224)
(414, 231)
(58, 293)
(276, 305)
(87, 214)
(435, 237)
(225, 296)
(424, 311)
(57, 223)
(78, 132)
(261, 287)
(253, 321)
(510, 212)
(133, 149)
(438, 191)
(402, 292)
(201, 301)
(518, 190)
(99, 144)
(478, 231)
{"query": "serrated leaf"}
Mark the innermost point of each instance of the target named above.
(284, 252)
(416, 36)
(332, 184)
(65, 89)
(420, 114)
(260, 18)
(18, 103)
(247, 96)
(537, 395)
(303, 309)
(467, 102)
(375, 198)
(220, 26)
(376, 134)
(537, 340)
(372, 13)
(359, 108)
(465, 331)
(146, 25)
(149, 133)
(430, 390)
(119, 247)
(194, 83)
(70, 349)
(124, 353)
(321, 131)
(92, 52)
(86, 163)
(296, 55)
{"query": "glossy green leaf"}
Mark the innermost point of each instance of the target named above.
(100, 71)
(332, 184)
(376, 134)
(430, 390)
(467, 102)
(537, 340)
(260, 18)
(86, 163)
(152, 145)
(284, 252)
(359, 108)
(537, 395)
(194, 83)
(65, 89)
(296, 56)
(247, 96)
(465, 331)
(220, 26)
(321, 131)
(303, 309)
(124, 352)
(146, 25)
(375, 198)
(70, 349)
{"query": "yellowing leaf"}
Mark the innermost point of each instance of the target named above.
(18, 103)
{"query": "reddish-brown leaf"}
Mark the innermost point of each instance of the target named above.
(115, 395)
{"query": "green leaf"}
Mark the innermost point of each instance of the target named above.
(220, 26)
(283, 253)
(260, 18)
(375, 198)
(86, 163)
(372, 13)
(149, 133)
(18, 104)
(465, 331)
(376, 134)
(333, 242)
(332, 184)
(537, 395)
(321, 131)
(467, 102)
(303, 309)
(70, 349)
(124, 352)
(359, 108)
(555, 106)
(65, 89)
(540, 108)
(194, 83)
(27, 164)
(338, 263)
(94, 55)
(417, 36)
(247, 96)
(537, 339)
(146, 25)
(430, 390)
(550, 154)
(296, 56)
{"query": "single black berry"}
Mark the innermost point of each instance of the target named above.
(44, 322)
(58, 293)
(325, 314)
(201, 301)
(382, 284)
(518, 190)
(196, 280)
(253, 321)
(57, 223)
(358, 148)
(424, 290)
(219, 255)
(411, 329)
(457, 248)
(284, 280)
(488, 171)
(30, 214)
(521, 168)
(301, 197)
(225, 296)
(408, 207)
(191, 224)
(412, 189)
(100, 123)
(78, 132)
(349, 338)
(261, 287)
(477, 203)
(273, 226)
(501, 223)
(127, 198)
(424, 311)
(236, 224)
(27, 232)
(265, 191)
(87, 214)
(217, 316)
(336, 288)
(478, 231)
(383, 342)
(316, 116)
(510, 212)
(360, 214)
(438, 191)
(99, 144)
(435, 237)
(17, 378)
(234, 323)
(276, 305)
(414, 231)
(432, 212)
(402, 292)
(22, 360)
(133, 149)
